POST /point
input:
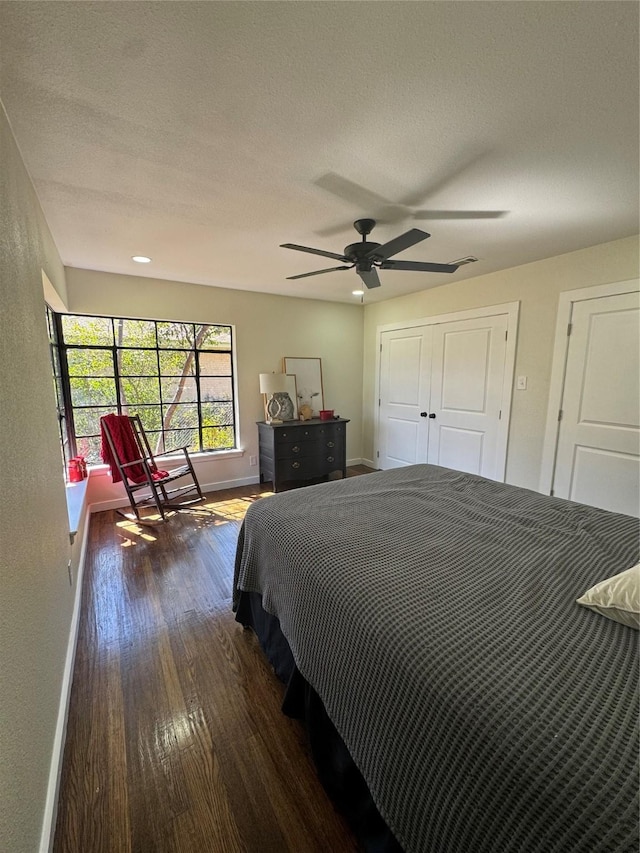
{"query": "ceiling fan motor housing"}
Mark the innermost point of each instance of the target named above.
(357, 251)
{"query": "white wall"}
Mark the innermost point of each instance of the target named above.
(36, 600)
(267, 328)
(536, 286)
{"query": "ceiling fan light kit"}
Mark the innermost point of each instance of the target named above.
(367, 257)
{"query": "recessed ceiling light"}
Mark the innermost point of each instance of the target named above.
(358, 292)
(141, 259)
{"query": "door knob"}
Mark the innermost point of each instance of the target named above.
(423, 414)
(432, 415)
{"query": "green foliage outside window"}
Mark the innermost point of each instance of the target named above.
(177, 376)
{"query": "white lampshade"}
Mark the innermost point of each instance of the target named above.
(272, 383)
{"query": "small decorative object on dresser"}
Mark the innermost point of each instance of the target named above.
(302, 451)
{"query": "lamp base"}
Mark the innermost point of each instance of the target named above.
(274, 408)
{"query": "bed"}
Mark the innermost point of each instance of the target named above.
(432, 616)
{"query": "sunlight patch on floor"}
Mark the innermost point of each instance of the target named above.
(235, 508)
(131, 531)
(211, 513)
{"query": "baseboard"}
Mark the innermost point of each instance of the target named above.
(116, 503)
(369, 463)
(57, 753)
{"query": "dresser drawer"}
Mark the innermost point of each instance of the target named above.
(310, 447)
(307, 467)
(327, 431)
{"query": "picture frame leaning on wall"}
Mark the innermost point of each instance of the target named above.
(308, 381)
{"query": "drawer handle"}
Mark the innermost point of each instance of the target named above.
(295, 449)
(284, 434)
(295, 464)
(306, 432)
(329, 458)
(331, 444)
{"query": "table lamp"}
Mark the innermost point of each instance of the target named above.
(272, 384)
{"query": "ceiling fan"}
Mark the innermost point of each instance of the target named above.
(366, 256)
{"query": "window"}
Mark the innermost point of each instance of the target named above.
(177, 376)
(58, 384)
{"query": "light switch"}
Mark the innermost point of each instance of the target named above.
(521, 384)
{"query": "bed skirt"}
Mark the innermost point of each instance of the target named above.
(336, 770)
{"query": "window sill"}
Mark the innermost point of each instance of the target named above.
(76, 495)
(103, 470)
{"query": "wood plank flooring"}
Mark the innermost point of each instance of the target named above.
(176, 740)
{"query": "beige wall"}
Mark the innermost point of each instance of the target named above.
(266, 327)
(536, 286)
(36, 599)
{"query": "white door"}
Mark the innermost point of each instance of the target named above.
(441, 389)
(405, 377)
(468, 362)
(598, 454)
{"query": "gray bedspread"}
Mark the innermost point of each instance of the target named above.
(434, 613)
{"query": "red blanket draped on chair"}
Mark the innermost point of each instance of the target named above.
(126, 448)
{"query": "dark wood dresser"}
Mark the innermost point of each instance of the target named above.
(302, 450)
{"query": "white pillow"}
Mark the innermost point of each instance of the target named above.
(618, 597)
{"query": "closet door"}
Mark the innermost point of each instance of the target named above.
(467, 373)
(598, 451)
(405, 378)
(441, 395)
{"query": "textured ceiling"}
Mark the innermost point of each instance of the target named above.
(204, 134)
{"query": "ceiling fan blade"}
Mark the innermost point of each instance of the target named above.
(459, 214)
(313, 251)
(398, 244)
(350, 191)
(418, 266)
(369, 277)
(446, 174)
(316, 272)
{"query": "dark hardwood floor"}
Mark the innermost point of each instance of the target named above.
(176, 740)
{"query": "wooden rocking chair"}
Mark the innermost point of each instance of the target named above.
(126, 449)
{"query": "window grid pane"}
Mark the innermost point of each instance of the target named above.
(93, 392)
(214, 363)
(135, 333)
(137, 362)
(87, 420)
(90, 362)
(87, 331)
